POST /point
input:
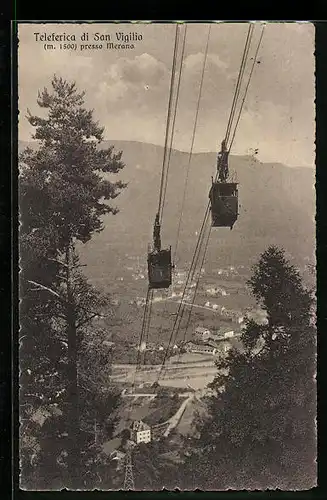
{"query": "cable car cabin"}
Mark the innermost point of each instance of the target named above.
(224, 204)
(159, 268)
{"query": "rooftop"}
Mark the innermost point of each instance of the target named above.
(139, 425)
(112, 445)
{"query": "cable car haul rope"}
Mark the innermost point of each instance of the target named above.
(223, 196)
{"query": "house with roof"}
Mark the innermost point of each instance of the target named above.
(202, 333)
(140, 432)
(117, 455)
(203, 348)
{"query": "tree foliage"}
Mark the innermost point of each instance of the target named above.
(153, 467)
(64, 192)
(64, 181)
(260, 429)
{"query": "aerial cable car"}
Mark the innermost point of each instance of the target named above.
(159, 261)
(223, 195)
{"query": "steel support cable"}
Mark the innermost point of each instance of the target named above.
(174, 120)
(238, 118)
(233, 137)
(192, 142)
(179, 323)
(181, 305)
(149, 294)
(168, 122)
(171, 143)
(147, 319)
(145, 314)
(241, 75)
(244, 67)
(147, 326)
(236, 93)
(194, 294)
(192, 274)
(197, 285)
(164, 174)
(181, 308)
(239, 80)
(238, 83)
(247, 87)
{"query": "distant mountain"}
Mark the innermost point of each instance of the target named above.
(277, 206)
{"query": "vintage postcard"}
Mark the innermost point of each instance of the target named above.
(167, 256)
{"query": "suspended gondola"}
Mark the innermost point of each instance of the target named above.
(222, 206)
(159, 261)
(223, 195)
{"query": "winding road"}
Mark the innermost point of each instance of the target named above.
(174, 420)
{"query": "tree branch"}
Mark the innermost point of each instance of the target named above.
(43, 287)
(81, 323)
(78, 325)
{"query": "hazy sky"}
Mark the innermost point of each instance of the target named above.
(129, 89)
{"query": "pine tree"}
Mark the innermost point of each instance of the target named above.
(64, 193)
(260, 428)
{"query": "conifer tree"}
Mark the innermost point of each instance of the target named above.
(64, 190)
(260, 429)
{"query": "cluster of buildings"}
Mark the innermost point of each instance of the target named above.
(206, 342)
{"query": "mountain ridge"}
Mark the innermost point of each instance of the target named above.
(277, 206)
(107, 142)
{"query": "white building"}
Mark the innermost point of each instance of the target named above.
(140, 432)
(200, 348)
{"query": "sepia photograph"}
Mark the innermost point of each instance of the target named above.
(167, 270)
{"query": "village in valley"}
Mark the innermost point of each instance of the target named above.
(159, 405)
